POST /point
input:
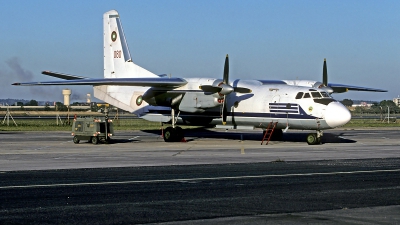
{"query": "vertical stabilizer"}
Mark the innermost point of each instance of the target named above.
(117, 58)
(118, 64)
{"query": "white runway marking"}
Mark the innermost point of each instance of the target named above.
(197, 179)
(130, 139)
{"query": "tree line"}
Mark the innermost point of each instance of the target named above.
(375, 108)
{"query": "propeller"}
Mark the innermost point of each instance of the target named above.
(330, 89)
(325, 74)
(224, 89)
(325, 79)
(228, 88)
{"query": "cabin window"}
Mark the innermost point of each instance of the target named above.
(299, 95)
(316, 94)
(307, 95)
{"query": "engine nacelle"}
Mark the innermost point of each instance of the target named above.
(199, 101)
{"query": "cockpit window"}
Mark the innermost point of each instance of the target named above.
(299, 95)
(316, 94)
(307, 95)
(325, 95)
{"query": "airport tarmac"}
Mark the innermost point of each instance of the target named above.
(55, 150)
(216, 176)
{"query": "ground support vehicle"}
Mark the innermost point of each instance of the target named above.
(92, 129)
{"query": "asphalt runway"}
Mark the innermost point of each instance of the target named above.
(218, 177)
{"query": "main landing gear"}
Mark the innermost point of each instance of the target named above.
(174, 133)
(314, 138)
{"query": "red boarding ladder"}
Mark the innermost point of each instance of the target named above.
(269, 131)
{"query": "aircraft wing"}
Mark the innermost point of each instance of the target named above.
(144, 82)
(79, 80)
(340, 88)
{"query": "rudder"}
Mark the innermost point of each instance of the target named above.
(117, 58)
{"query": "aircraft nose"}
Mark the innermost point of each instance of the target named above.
(336, 114)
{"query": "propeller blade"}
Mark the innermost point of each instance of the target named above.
(325, 74)
(209, 88)
(242, 90)
(226, 70)
(224, 111)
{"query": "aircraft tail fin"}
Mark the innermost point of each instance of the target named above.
(117, 58)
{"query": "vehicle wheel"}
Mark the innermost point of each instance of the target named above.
(169, 134)
(76, 140)
(95, 140)
(312, 139)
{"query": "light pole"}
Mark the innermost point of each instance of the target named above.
(388, 114)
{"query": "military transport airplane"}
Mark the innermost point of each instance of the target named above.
(294, 104)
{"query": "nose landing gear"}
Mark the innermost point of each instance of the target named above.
(314, 138)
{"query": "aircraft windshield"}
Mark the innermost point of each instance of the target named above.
(314, 94)
(325, 95)
(299, 95)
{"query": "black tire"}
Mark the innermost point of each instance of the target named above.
(312, 139)
(75, 140)
(95, 140)
(179, 134)
(169, 134)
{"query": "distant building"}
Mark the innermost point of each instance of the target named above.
(396, 101)
(362, 104)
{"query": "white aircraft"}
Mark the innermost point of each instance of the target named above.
(282, 104)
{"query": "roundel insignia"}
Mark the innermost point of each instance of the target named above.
(113, 36)
(310, 108)
(139, 100)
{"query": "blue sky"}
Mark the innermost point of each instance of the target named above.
(264, 39)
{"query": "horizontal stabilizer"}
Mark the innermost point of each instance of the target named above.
(143, 82)
(63, 76)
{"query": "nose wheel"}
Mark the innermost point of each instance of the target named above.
(314, 138)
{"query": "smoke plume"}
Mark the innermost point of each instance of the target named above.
(16, 73)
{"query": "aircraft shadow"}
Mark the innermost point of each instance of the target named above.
(199, 133)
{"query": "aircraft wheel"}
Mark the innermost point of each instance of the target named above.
(312, 139)
(76, 140)
(169, 134)
(95, 140)
(179, 133)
